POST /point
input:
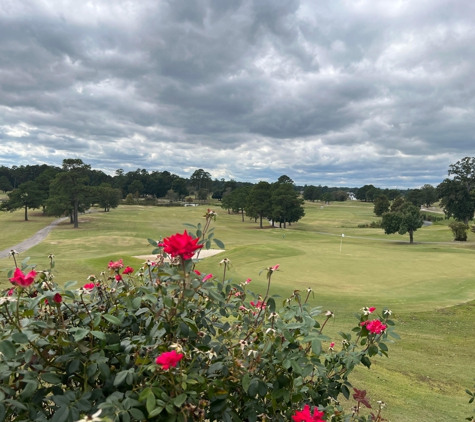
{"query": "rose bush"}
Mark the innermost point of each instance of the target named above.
(169, 343)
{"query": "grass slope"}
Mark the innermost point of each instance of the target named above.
(427, 285)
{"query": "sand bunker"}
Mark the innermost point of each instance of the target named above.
(205, 253)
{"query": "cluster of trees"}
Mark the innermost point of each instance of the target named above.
(279, 201)
(456, 195)
(63, 191)
(326, 194)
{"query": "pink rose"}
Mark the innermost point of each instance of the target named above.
(116, 265)
(207, 277)
(21, 279)
(168, 359)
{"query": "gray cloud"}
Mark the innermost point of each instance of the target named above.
(334, 92)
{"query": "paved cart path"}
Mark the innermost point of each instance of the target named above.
(34, 240)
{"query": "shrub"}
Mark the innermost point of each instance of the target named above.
(459, 230)
(167, 343)
(372, 225)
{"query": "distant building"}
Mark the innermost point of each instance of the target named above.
(351, 196)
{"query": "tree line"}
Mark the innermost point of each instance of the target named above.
(279, 202)
(74, 187)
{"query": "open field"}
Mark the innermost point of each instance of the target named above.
(429, 286)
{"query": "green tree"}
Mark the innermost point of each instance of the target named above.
(136, 187)
(108, 196)
(381, 205)
(201, 179)
(312, 193)
(457, 199)
(69, 191)
(179, 186)
(327, 197)
(129, 199)
(236, 200)
(407, 220)
(429, 195)
(28, 195)
(397, 204)
(5, 184)
(361, 192)
(203, 194)
(340, 195)
(259, 202)
(415, 197)
(287, 207)
(372, 194)
(459, 230)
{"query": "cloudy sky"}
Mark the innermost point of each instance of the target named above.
(336, 92)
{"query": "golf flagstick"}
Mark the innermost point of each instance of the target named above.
(341, 241)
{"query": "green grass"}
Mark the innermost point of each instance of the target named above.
(428, 286)
(15, 229)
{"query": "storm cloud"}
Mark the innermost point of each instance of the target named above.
(332, 92)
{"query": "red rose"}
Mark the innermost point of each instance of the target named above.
(375, 326)
(57, 298)
(128, 270)
(89, 286)
(168, 359)
(180, 245)
(305, 415)
(23, 280)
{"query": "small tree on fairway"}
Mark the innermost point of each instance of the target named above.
(108, 196)
(28, 195)
(408, 220)
(69, 191)
(459, 230)
(259, 202)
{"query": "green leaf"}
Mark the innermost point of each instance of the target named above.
(69, 284)
(189, 225)
(253, 387)
(151, 402)
(136, 302)
(219, 244)
(60, 415)
(271, 304)
(179, 400)
(112, 319)
(80, 334)
(99, 334)
(137, 414)
(120, 377)
(30, 388)
(394, 335)
(155, 412)
(51, 378)
(19, 338)
(345, 391)
(262, 388)
(317, 347)
(246, 380)
(8, 349)
(152, 242)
